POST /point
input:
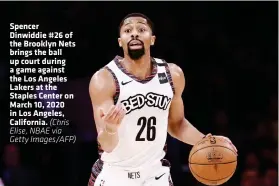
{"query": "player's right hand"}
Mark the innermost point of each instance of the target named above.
(112, 119)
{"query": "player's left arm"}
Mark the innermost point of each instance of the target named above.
(179, 127)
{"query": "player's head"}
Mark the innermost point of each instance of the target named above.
(136, 35)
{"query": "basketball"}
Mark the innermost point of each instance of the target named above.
(212, 161)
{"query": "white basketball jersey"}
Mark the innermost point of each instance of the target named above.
(143, 131)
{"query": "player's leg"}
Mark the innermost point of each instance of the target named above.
(106, 176)
(114, 178)
(160, 176)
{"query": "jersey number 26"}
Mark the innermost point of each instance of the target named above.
(150, 125)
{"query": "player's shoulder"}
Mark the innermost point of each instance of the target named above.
(102, 79)
(178, 77)
(175, 70)
(103, 73)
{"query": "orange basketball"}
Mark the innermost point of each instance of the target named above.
(213, 161)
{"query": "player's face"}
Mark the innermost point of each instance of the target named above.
(135, 37)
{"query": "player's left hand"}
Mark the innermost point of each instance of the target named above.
(226, 139)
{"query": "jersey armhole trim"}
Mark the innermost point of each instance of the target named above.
(169, 75)
(117, 91)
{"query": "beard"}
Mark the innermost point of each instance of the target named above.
(136, 53)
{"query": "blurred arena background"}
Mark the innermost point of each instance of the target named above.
(228, 51)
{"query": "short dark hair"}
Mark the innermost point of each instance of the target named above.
(149, 22)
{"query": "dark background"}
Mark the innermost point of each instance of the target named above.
(228, 51)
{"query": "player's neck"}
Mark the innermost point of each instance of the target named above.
(140, 68)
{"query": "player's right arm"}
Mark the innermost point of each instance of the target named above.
(107, 116)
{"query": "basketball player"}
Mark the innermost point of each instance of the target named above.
(137, 101)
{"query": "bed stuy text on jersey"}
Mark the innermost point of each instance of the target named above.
(151, 99)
